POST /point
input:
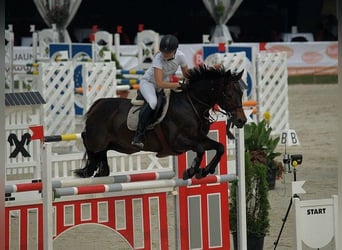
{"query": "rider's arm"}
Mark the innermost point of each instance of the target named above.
(185, 70)
(158, 75)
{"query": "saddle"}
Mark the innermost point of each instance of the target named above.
(163, 98)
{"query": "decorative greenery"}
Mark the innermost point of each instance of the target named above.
(219, 9)
(261, 145)
(260, 154)
(113, 57)
(257, 204)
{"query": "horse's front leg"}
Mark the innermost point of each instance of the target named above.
(194, 168)
(210, 144)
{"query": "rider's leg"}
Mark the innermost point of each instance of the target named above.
(148, 91)
(145, 117)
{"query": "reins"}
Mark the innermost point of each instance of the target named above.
(209, 118)
(206, 114)
(193, 106)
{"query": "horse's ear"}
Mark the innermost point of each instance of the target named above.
(235, 75)
(239, 75)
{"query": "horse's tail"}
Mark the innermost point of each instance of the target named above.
(84, 163)
(84, 159)
(83, 136)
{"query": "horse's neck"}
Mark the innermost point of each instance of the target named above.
(202, 100)
(199, 105)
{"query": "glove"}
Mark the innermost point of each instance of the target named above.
(183, 84)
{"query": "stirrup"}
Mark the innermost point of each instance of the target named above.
(138, 144)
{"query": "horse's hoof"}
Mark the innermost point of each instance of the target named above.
(79, 173)
(103, 171)
(203, 173)
(185, 175)
(199, 174)
(212, 170)
(188, 173)
(83, 173)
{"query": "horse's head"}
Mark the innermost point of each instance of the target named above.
(230, 99)
(214, 85)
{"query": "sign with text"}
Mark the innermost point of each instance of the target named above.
(22, 58)
(289, 138)
(316, 222)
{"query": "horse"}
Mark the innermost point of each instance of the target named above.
(184, 127)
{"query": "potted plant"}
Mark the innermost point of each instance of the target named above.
(257, 204)
(262, 147)
(260, 164)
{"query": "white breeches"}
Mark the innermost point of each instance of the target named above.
(148, 90)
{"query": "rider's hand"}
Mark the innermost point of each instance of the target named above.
(183, 84)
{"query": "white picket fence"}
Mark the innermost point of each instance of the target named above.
(272, 89)
(17, 122)
(56, 83)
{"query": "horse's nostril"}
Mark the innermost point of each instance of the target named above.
(240, 122)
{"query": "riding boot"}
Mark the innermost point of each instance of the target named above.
(145, 117)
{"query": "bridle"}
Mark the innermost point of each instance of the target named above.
(229, 111)
(211, 119)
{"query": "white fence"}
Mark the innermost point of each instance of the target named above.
(272, 89)
(271, 85)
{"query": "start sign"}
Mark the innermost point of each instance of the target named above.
(316, 222)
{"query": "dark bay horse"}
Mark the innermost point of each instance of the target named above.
(185, 126)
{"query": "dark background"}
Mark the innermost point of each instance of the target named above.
(258, 21)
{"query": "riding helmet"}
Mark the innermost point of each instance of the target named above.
(168, 43)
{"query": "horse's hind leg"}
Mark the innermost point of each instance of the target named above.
(91, 163)
(90, 167)
(103, 169)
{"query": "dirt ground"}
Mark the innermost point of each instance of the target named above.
(313, 112)
(313, 115)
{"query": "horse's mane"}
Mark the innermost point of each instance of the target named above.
(205, 72)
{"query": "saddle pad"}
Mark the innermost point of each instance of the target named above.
(133, 114)
(133, 117)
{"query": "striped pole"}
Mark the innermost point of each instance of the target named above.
(38, 134)
(117, 187)
(250, 104)
(121, 86)
(64, 137)
(128, 81)
(72, 182)
(130, 72)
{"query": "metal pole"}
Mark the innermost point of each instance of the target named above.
(241, 194)
(48, 218)
(339, 152)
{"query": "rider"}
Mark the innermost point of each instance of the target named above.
(158, 77)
